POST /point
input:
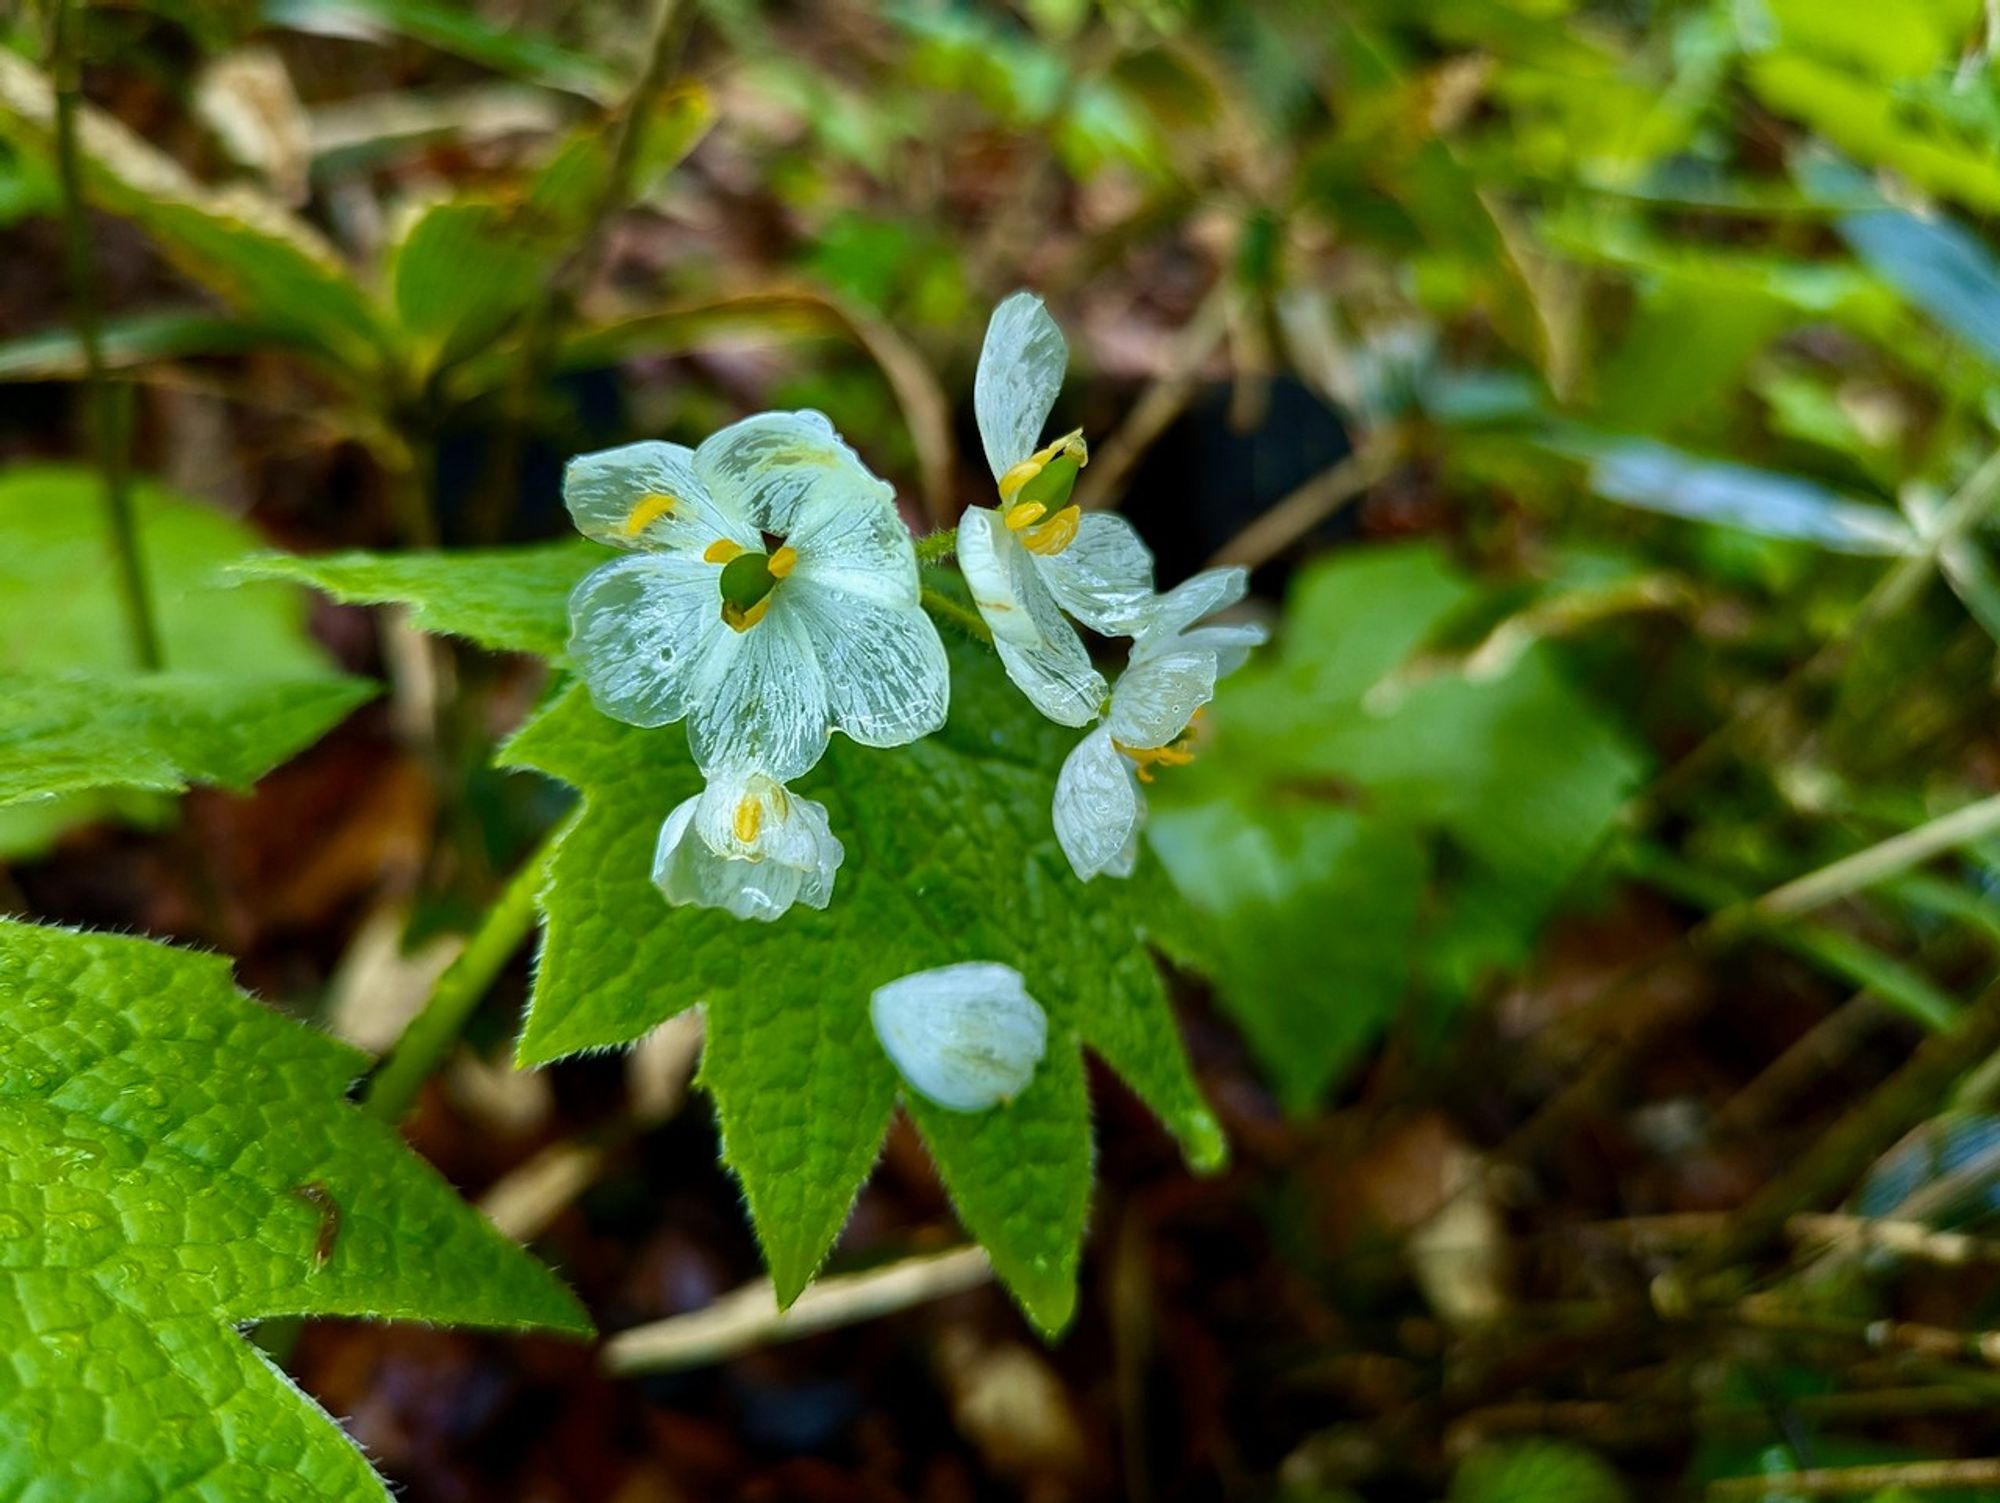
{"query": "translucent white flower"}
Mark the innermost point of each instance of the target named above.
(749, 845)
(771, 597)
(964, 1036)
(1036, 555)
(1172, 673)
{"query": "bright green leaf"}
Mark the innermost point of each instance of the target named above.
(179, 1161)
(1535, 1471)
(506, 599)
(950, 857)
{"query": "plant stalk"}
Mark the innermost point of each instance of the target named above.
(458, 992)
(944, 608)
(107, 410)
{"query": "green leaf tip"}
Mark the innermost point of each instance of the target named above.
(176, 1161)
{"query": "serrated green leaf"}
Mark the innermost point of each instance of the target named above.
(1361, 833)
(165, 731)
(950, 857)
(506, 599)
(177, 1161)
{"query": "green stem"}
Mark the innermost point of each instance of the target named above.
(433, 1031)
(108, 430)
(936, 547)
(946, 609)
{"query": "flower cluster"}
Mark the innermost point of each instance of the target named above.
(768, 596)
(1037, 559)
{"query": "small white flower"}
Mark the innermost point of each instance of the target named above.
(772, 599)
(1036, 555)
(748, 845)
(964, 1036)
(1172, 673)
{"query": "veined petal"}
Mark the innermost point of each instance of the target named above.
(1231, 644)
(998, 573)
(1104, 577)
(1020, 372)
(1191, 600)
(648, 495)
(858, 547)
(1098, 808)
(768, 465)
(887, 679)
(768, 709)
(1156, 696)
(1057, 676)
(967, 1037)
(791, 858)
(647, 636)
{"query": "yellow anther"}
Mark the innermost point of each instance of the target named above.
(1027, 514)
(783, 562)
(649, 509)
(1051, 537)
(1176, 753)
(721, 551)
(1018, 476)
(749, 820)
(741, 620)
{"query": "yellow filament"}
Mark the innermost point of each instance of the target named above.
(749, 819)
(783, 562)
(721, 551)
(1025, 515)
(649, 509)
(741, 620)
(1176, 753)
(1051, 537)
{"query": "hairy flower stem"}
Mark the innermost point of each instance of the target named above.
(936, 547)
(433, 1031)
(944, 608)
(107, 410)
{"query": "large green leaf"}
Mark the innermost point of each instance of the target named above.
(175, 1161)
(950, 857)
(1363, 833)
(506, 599)
(247, 686)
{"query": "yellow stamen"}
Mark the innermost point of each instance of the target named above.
(721, 551)
(1051, 537)
(1020, 475)
(783, 562)
(1025, 515)
(649, 509)
(749, 819)
(741, 620)
(1176, 753)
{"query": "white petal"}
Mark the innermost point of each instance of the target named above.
(1098, 808)
(859, 547)
(1231, 644)
(766, 466)
(966, 1037)
(620, 496)
(1057, 677)
(997, 572)
(1155, 697)
(1104, 577)
(768, 709)
(647, 636)
(792, 858)
(1191, 600)
(1020, 372)
(888, 681)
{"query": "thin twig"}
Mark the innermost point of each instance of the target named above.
(1103, 480)
(1884, 859)
(1911, 1239)
(1309, 505)
(750, 1316)
(108, 430)
(1845, 1481)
